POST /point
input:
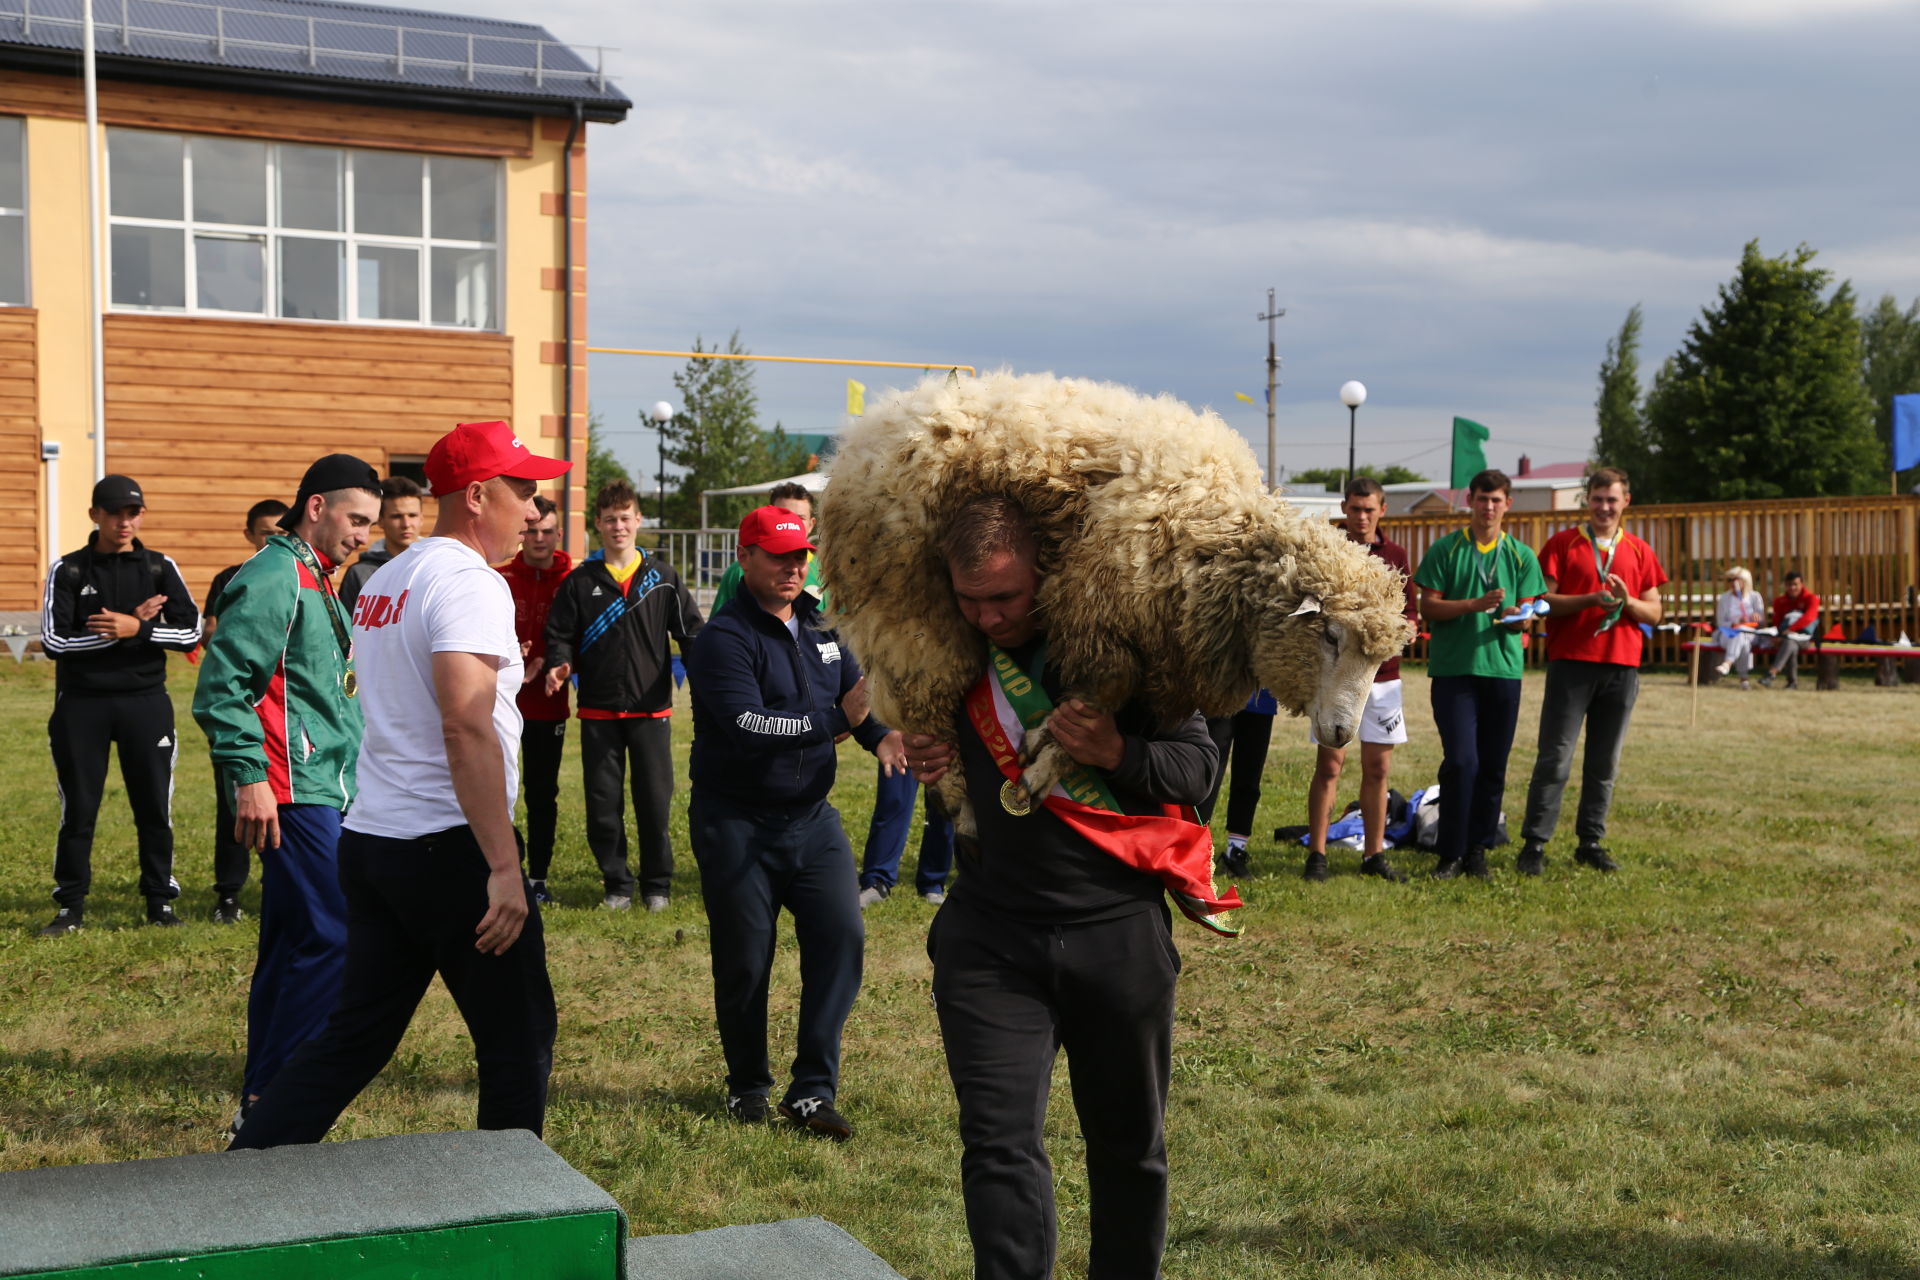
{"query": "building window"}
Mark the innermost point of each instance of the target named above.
(230, 226)
(13, 211)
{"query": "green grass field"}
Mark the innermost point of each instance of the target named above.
(1702, 1066)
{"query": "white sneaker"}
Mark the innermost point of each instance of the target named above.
(1723, 668)
(871, 894)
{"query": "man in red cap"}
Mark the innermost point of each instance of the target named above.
(428, 856)
(772, 691)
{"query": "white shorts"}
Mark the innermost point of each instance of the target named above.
(1382, 723)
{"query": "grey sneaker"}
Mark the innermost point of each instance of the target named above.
(66, 920)
(617, 902)
(656, 902)
(934, 897)
(873, 893)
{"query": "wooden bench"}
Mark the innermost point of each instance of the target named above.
(1892, 662)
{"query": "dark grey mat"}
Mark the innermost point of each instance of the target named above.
(797, 1249)
(95, 1214)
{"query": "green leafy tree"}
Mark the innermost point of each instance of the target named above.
(1335, 478)
(1621, 437)
(715, 439)
(1765, 398)
(602, 467)
(1890, 362)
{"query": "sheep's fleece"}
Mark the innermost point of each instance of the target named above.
(1168, 570)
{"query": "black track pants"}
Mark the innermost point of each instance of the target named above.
(1010, 996)
(605, 748)
(80, 732)
(411, 910)
(541, 744)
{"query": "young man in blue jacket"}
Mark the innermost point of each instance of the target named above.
(773, 690)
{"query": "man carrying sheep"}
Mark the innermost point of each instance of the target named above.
(1052, 937)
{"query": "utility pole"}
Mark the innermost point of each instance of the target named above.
(1273, 382)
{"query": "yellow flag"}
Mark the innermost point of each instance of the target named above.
(856, 398)
(1241, 395)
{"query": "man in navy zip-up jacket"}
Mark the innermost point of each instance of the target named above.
(773, 690)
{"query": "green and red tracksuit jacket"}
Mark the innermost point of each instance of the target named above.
(270, 697)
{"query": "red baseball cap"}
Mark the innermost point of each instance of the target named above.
(475, 451)
(775, 530)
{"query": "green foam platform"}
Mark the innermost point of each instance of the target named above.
(797, 1249)
(464, 1204)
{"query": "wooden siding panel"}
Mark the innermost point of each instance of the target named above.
(291, 119)
(198, 414)
(21, 567)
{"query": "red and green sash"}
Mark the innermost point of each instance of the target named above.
(1171, 845)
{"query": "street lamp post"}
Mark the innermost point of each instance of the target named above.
(662, 414)
(1352, 395)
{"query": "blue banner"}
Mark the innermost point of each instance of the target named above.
(1906, 432)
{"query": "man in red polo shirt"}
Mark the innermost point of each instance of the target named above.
(534, 576)
(1602, 584)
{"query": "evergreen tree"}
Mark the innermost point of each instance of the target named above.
(715, 439)
(602, 467)
(1765, 398)
(1620, 439)
(1890, 362)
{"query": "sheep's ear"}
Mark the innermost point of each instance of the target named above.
(1310, 604)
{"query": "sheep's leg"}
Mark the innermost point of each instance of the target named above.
(951, 793)
(1046, 762)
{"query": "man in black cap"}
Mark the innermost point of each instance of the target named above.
(277, 701)
(110, 611)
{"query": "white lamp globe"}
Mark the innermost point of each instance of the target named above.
(1353, 394)
(663, 412)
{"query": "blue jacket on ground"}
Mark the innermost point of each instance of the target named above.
(766, 705)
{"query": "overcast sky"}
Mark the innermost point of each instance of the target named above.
(1457, 200)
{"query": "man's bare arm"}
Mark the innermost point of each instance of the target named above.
(463, 684)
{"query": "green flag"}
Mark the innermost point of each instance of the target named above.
(1469, 459)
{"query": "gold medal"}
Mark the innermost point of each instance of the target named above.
(350, 683)
(1013, 800)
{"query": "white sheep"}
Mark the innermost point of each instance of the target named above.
(1168, 571)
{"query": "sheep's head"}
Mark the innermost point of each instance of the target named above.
(1319, 642)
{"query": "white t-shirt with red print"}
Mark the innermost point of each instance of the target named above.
(437, 596)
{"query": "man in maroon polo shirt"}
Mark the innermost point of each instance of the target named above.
(533, 576)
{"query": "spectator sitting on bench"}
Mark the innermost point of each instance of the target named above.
(1794, 614)
(1738, 614)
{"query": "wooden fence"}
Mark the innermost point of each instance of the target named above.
(1861, 556)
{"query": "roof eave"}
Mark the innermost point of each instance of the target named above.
(328, 88)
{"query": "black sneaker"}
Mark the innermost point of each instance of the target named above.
(227, 911)
(1376, 864)
(67, 920)
(1766, 681)
(1235, 861)
(747, 1108)
(1447, 869)
(540, 894)
(818, 1115)
(1476, 865)
(1592, 855)
(1532, 859)
(160, 912)
(1316, 868)
(239, 1118)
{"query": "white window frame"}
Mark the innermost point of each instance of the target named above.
(272, 233)
(26, 229)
